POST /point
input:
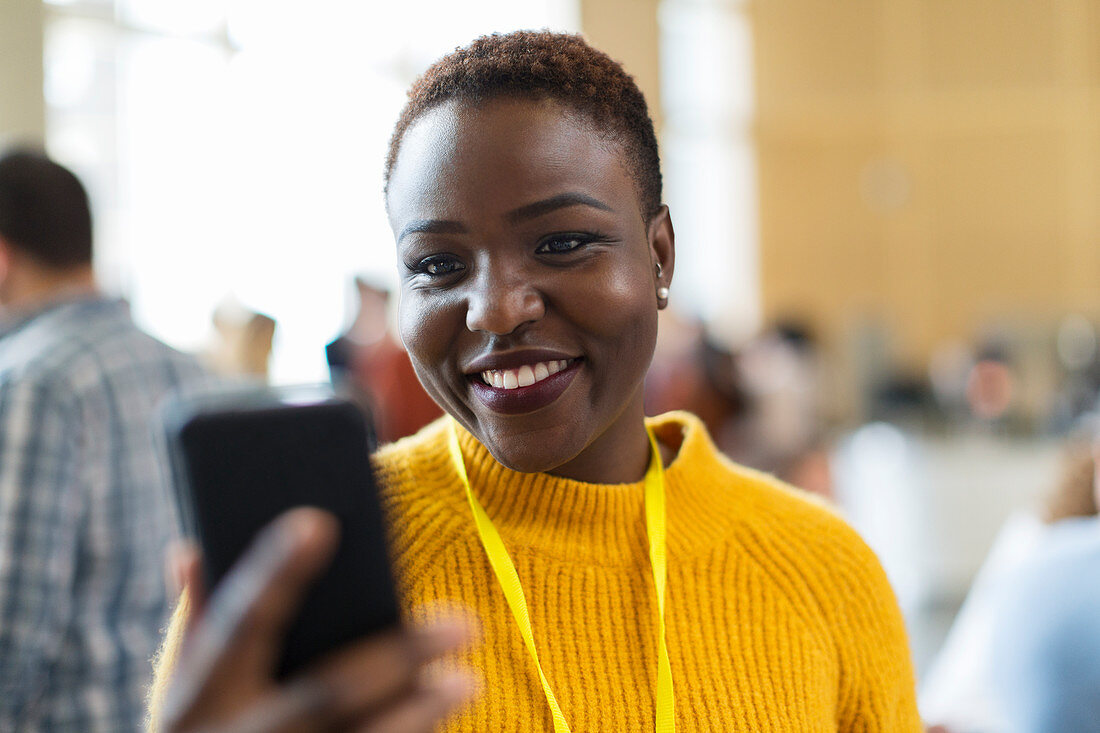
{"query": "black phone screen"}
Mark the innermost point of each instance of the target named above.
(242, 466)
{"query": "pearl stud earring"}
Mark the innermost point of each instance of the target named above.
(662, 292)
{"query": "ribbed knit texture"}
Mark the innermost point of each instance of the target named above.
(779, 617)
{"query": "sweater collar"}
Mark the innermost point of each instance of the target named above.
(605, 523)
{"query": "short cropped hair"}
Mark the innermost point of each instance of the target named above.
(545, 65)
(44, 211)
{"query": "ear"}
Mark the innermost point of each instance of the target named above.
(662, 250)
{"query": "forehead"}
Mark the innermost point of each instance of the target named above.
(503, 153)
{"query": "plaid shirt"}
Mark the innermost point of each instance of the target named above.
(84, 516)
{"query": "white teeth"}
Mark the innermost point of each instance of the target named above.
(525, 376)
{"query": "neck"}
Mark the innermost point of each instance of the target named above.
(620, 456)
(29, 287)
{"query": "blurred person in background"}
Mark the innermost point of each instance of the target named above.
(1023, 655)
(241, 344)
(84, 513)
(782, 432)
(369, 364)
(691, 372)
(1045, 654)
(760, 402)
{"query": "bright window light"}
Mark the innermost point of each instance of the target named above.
(709, 163)
(240, 153)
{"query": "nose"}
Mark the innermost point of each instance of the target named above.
(499, 304)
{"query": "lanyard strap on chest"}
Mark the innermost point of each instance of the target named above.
(506, 574)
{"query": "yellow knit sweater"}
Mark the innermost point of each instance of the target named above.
(779, 617)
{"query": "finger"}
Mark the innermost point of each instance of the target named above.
(422, 710)
(374, 671)
(186, 564)
(255, 602)
(174, 558)
(250, 607)
(188, 568)
(289, 708)
(190, 573)
(277, 587)
(194, 580)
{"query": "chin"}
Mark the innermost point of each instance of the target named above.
(533, 452)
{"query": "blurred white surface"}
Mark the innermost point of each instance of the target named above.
(234, 148)
(931, 509)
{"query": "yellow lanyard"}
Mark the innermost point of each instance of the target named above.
(513, 591)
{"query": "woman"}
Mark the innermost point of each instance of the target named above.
(523, 188)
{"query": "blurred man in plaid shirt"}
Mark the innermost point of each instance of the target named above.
(84, 511)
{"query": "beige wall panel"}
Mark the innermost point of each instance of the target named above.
(1088, 26)
(1084, 159)
(823, 254)
(980, 233)
(983, 115)
(991, 43)
(22, 106)
(813, 47)
(1000, 185)
(627, 31)
(910, 272)
(982, 237)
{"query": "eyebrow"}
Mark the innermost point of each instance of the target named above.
(523, 213)
(561, 201)
(431, 226)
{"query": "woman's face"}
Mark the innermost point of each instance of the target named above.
(528, 297)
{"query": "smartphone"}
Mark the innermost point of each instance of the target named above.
(242, 457)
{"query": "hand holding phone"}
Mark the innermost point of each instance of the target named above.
(243, 457)
(225, 679)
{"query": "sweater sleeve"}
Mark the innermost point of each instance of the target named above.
(877, 689)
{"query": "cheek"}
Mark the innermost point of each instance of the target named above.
(427, 335)
(629, 293)
(410, 323)
(621, 309)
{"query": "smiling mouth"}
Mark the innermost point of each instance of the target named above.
(524, 376)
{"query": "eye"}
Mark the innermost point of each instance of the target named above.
(438, 266)
(565, 243)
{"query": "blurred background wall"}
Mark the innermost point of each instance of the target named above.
(928, 165)
(886, 211)
(248, 134)
(23, 110)
(924, 167)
